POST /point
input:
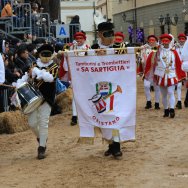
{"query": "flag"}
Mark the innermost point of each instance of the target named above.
(104, 89)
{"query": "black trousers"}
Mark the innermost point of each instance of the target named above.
(186, 96)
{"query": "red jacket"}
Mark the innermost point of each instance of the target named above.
(151, 63)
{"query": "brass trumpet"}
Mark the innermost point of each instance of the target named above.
(117, 90)
(154, 49)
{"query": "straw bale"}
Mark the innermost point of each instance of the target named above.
(12, 122)
(64, 100)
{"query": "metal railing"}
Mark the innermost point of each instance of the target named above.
(7, 35)
(24, 21)
(41, 25)
(21, 20)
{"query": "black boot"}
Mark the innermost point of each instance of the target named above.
(56, 109)
(157, 106)
(116, 152)
(148, 105)
(74, 120)
(109, 151)
(166, 113)
(41, 152)
(172, 113)
(186, 99)
(179, 105)
(186, 104)
(151, 88)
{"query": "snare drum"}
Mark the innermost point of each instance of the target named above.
(30, 98)
(99, 102)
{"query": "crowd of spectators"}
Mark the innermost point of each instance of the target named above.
(26, 15)
(17, 56)
(16, 59)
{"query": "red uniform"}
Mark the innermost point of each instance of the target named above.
(166, 72)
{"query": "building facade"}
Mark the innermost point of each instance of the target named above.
(85, 10)
(145, 14)
(105, 7)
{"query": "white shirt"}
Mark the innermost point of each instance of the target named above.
(2, 70)
(185, 57)
(179, 49)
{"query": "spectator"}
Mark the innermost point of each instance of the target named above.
(32, 52)
(5, 47)
(28, 38)
(36, 2)
(7, 10)
(3, 90)
(11, 72)
(2, 70)
(74, 27)
(34, 20)
(23, 62)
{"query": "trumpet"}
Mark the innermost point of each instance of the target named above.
(118, 89)
(154, 49)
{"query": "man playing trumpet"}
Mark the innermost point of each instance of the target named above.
(165, 65)
(145, 51)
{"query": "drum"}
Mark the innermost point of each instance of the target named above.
(30, 98)
(99, 102)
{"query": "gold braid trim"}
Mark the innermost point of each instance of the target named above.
(53, 70)
(153, 58)
(123, 50)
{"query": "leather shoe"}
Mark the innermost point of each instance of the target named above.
(41, 152)
(109, 151)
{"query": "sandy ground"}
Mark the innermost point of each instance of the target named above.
(158, 158)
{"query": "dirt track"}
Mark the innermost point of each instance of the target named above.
(158, 158)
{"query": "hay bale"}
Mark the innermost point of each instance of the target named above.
(12, 122)
(64, 100)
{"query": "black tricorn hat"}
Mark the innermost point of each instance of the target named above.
(45, 47)
(105, 26)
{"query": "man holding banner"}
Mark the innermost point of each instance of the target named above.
(104, 86)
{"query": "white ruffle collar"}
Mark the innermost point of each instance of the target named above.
(166, 49)
(102, 45)
(41, 64)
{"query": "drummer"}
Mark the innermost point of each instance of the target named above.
(43, 73)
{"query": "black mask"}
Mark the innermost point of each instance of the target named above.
(107, 34)
(46, 54)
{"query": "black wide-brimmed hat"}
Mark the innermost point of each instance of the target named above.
(46, 47)
(104, 26)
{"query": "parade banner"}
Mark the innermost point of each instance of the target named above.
(104, 88)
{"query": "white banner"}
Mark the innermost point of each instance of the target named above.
(104, 90)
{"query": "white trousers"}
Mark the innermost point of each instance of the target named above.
(74, 112)
(147, 85)
(168, 97)
(179, 87)
(38, 121)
